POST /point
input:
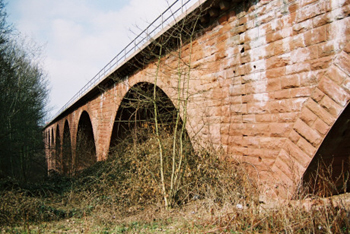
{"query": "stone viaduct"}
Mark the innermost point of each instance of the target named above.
(267, 83)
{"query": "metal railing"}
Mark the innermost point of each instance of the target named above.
(168, 16)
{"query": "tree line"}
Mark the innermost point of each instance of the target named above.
(23, 99)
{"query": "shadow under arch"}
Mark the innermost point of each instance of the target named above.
(58, 153)
(52, 138)
(135, 118)
(66, 150)
(328, 172)
(51, 152)
(48, 139)
(85, 143)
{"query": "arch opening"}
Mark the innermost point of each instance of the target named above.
(52, 138)
(155, 159)
(66, 150)
(52, 159)
(46, 136)
(48, 148)
(57, 152)
(329, 171)
(48, 142)
(85, 145)
(135, 120)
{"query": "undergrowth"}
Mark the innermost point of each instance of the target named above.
(123, 195)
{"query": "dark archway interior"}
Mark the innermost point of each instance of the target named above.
(52, 138)
(137, 148)
(328, 173)
(85, 147)
(66, 150)
(135, 119)
(57, 152)
(48, 138)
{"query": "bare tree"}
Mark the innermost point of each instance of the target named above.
(23, 99)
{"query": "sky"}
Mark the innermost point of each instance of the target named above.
(77, 38)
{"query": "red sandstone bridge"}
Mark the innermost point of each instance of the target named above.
(267, 83)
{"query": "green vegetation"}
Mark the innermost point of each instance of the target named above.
(23, 96)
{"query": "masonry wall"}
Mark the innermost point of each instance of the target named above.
(268, 80)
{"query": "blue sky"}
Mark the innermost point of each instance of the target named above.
(79, 37)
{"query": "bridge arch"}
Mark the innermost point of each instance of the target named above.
(48, 147)
(51, 150)
(328, 172)
(321, 124)
(66, 149)
(52, 138)
(85, 155)
(135, 117)
(57, 154)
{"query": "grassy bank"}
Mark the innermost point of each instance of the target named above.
(123, 195)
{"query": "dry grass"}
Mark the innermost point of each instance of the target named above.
(123, 195)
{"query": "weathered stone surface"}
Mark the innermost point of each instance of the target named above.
(267, 83)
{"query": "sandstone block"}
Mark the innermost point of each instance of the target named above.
(321, 20)
(293, 7)
(276, 72)
(302, 26)
(346, 85)
(321, 127)
(337, 93)
(280, 129)
(331, 106)
(279, 106)
(322, 63)
(342, 61)
(301, 92)
(288, 165)
(317, 95)
(266, 118)
(294, 136)
(325, 49)
(273, 85)
(307, 132)
(290, 81)
(297, 68)
(306, 2)
(298, 154)
(309, 78)
(337, 75)
(316, 35)
(282, 94)
(308, 116)
(297, 41)
(287, 117)
(276, 61)
(274, 36)
(248, 118)
(306, 147)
